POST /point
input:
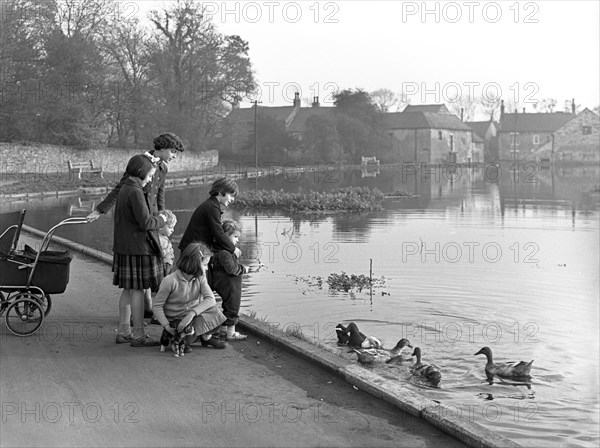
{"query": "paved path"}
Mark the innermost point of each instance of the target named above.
(71, 385)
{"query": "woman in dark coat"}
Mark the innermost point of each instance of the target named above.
(136, 266)
(205, 225)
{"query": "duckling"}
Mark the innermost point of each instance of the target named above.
(373, 355)
(429, 372)
(353, 337)
(506, 370)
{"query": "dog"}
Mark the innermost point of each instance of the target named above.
(178, 341)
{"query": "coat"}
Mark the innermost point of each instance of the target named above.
(133, 220)
(205, 226)
(154, 190)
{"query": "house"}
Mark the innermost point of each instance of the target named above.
(487, 131)
(428, 137)
(240, 122)
(521, 134)
(578, 140)
(430, 108)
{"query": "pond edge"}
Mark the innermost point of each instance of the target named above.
(435, 413)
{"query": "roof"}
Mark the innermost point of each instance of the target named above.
(480, 128)
(477, 139)
(298, 124)
(247, 114)
(433, 108)
(535, 122)
(424, 120)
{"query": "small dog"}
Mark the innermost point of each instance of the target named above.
(177, 342)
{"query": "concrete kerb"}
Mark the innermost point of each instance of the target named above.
(435, 413)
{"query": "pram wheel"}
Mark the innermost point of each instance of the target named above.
(24, 316)
(44, 300)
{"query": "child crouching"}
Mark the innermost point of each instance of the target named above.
(184, 294)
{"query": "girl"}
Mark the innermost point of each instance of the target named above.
(184, 294)
(227, 281)
(135, 266)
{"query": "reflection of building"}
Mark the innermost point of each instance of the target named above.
(369, 171)
(558, 136)
(429, 137)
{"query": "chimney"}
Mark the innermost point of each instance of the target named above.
(573, 106)
(297, 100)
(462, 112)
(501, 108)
(315, 101)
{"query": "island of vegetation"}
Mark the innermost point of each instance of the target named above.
(350, 199)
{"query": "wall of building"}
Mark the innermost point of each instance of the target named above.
(570, 142)
(40, 158)
(429, 147)
(525, 144)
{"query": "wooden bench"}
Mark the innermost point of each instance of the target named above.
(85, 207)
(84, 167)
(369, 160)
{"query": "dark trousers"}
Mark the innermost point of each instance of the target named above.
(229, 287)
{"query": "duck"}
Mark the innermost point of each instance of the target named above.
(353, 337)
(507, 369)
(428, 372)
(374, 355)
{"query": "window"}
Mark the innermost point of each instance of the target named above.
(536, 139)
(586, 130)
(451, 143)
(566, 156)
(440, 136)
(514, 139)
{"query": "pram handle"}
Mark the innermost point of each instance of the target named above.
(48, 236)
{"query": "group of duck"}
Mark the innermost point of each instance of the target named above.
(370, 351)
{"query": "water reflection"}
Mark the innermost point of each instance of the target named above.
(477, 257)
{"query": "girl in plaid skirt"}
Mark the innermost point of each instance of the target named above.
(135, 265)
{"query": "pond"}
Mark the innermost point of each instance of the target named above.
(504, 256)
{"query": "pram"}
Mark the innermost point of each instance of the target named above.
(27, 277)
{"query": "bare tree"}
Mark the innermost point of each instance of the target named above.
(545, 105)
(384, 99)
(464, 107)
(489, 106)
(198, 69)
(84, 17)
(125, 42)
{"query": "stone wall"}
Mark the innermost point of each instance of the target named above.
(40, 158)
(571, 143)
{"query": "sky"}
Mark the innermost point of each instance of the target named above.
(521, 51)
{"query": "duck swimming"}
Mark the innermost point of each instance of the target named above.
(429, 372)
(353, 337)
(507, 369)
(373, 355)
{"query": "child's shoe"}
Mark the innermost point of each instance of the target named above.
(212, 342)
(145, 341)
(233, 335)
(123, 338)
